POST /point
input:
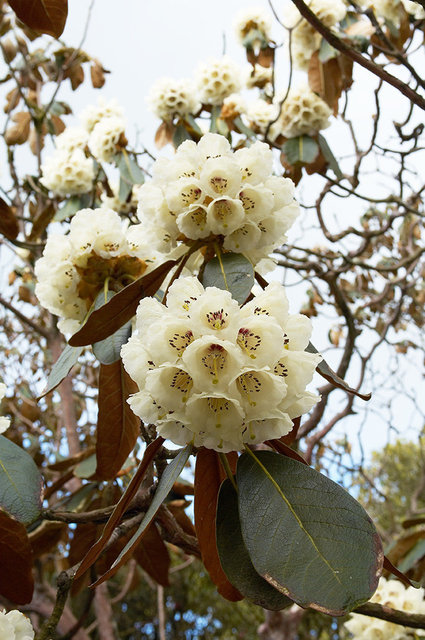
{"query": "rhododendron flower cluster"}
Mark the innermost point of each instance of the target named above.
(15, 626)
(93, 114)
(250, 20)
(4, 422)
(68, 172)
(216, 79)
(216, 374)
(74, 268)
(168, 98)
(390, 593)
(208, 191)
(303, 113)
(107, 138)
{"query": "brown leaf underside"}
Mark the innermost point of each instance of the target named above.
(16, 581)
(46, 16)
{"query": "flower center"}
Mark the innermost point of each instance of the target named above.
(214, 360)
(217, 319)
(248, 385)
(248, 341)
(181, 381)
(179, 341)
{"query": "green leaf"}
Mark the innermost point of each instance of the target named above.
(327, 51)
(86, 468)
(329, 156)
(71, 206)
(165, 484)
(108, 351)
(130, 174)
(301, 149)
(242, 128)
(193, 124)
(416, 553)
(234, 557)
(20, 482)
(63, 365)
(329, 374)
(180, 135)
(306, 535)
(215, 113)
(232, 272)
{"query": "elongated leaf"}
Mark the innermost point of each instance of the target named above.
(20, 482)
(9, 226)
(306, 535)
(117, 426)
(71, 206)
(242, 128)
(329, 156)
(209, 475)
(285, 450)
(129, 169)
(63, 365)
(326, 372)
(16, 581)
(180, 134)
(234, 556)
(108, 351)
(106, 320)
(165, 485)
(413, 556)
(301, 149)
(122, 505)
(152, 555)
(46, 16)
(388, 566)
(232, 272)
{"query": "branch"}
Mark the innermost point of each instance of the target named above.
(64, 583)
(375, 610)
(348, 51)
(40, 330)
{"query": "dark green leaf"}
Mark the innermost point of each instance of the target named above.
(301, 149)
(215, 113)
(108, 351)
(232, 272)
(327, 51)
(165, 484)
(326, 372)
(306, 535)
(62, 367)
(86, 468)
(180, 135)
(20, 482)
(71, 206)
(234, 557)
(130, 173)
(329, 156)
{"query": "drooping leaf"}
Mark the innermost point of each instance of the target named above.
(412, 522)
(193, 124)
(71, 206)
(388, 566)
(86, 468)
(63, 365)
(108, 351)
(285, 450)
(16, 581)
(130, 173)
(329, 78)
(301, 149)
(180, 134)
(9, 226)
(165, 484)
(215, 113)
(234, 557)
(232, 272)
(306, 535)
(117, 426)
(126, 498)
(209, 475)
(329, 156)
(106, 320)
(20, 482)
(152, 555)
(326, 372)
(327, 51)
(46, 16)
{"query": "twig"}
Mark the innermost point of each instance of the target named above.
(64, 583)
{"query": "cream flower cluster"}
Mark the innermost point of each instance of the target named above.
(390, 593)
(207, 191)
(68, 172)
(107, 137)
(74, 268)
(216, 374)
(390, 9)
(72, 138)
(216, 79)
(4, 422)
(253, 19)
(302, 113)
(260, 113)
(305, 39)
(168, 98)
(15, 626)
(93, 114)
(114, 202)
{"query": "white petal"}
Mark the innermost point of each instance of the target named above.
(215, 312)
(225, 215)
(261, 393)
(193, 222)
(270, 302)
(182, 294)
(220, 177)
(259, 338)
(170, 387)
(212, 362)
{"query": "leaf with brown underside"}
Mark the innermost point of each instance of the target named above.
(177, 509)
(209, 475)
(328, 79)
(117, 426)
(107, 319)
(388, 566)
(284, 450)
(152, 555)
(16, 581)
(9, 226)
(19, 132)
(41, 222)
(292, 435)
(97, 74)
(45, 16)
(164, 134)
(122, 505)
(46, 537)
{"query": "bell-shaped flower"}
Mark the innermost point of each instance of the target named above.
(220, 177)
(216, 313)
(193, 222)
(259, 390)
(257, 202)
(212, 362)
(260, 339)
(243, 239)
(170, 386)
(182, 193)
(225, 215)
(255, 162)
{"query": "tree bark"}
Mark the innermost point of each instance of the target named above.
(104, 614)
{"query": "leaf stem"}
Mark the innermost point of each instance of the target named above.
(226, 466)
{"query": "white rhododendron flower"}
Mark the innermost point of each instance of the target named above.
(72, 138)
(414, 8)
(390, 593)
(218, 78)
(93, 114)
(68, 173)
(169, 98)
(302, 113)
(114, 202)
(233, 106)
(208, 191)
(259, 77)
(74, 268)
(15, 626)
(253, 19)
(107, 137)
(216, 374)
(4, 422)
(305, 39)
(260, 114)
